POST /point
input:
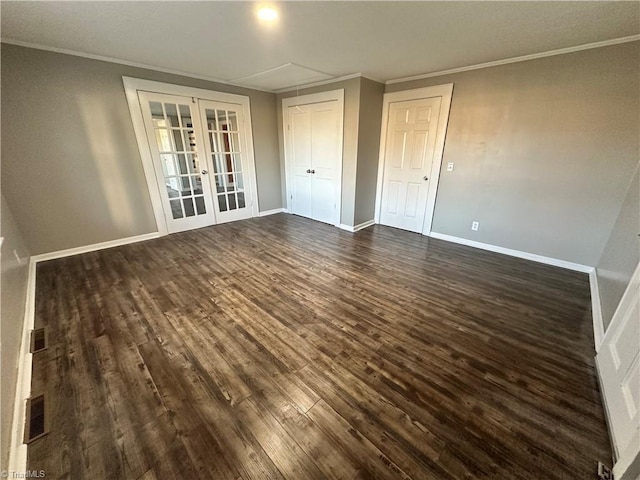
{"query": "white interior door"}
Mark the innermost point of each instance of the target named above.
(172, 126)
(619, 368)
(410, 146)
(299, 133)
(226, 149)
(314, 139)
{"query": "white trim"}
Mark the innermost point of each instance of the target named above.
(308, 99)
(331, 95)
(596, 309)
(271, 212)
(43, 257)
(119, 61)
(131, 92)
(18, 449)
(134, 85)
(514, 253)
(523, 58)
(233, 83)
(444, 91)
(358, 227)
(328, 81)
(628, 458)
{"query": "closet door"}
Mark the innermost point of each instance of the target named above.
(226, 149)
(325, 161)
(300, 152)
(314, 140)
(175, 141)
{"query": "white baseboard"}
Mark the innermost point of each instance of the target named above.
(596, 309)
(628, 465)
(94, 247)
(363, 225)
(271, 212)
(515, 253)
(18, 449)
(354, 229)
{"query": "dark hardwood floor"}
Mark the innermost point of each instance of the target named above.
(279, 347)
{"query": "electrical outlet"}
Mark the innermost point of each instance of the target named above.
(450, 167)
(604, 472)
(475, 226)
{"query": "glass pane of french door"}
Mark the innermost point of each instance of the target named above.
(226, 149)
(174, 134)
(176, 142)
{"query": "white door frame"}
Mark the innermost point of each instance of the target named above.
(131, 88)
(627, 456)
(446, 92)
(333, 95)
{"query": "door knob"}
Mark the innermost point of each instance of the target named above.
(308, 170)
(204, 172)
(425, 178)
(313, 171)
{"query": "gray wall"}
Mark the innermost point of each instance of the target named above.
(543, 151)
(13, 289)
(621, 253)
(349, 144)
(371, 94)
(71, 167)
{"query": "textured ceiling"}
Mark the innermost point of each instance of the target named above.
(382, 40)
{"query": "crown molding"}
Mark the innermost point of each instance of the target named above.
(119, 61)
(328, 82)
(523, 58)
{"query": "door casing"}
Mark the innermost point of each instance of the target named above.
(333, 95)
(446, 92)
(132, 86)
(618, 367)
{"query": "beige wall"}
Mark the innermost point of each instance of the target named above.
(621, 254)
(71, 167)
(13, 290)
(368, 149)
(543, 151)
(349, 144)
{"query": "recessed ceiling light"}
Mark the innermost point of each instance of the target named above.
(267, 14)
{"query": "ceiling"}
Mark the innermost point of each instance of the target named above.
(382, 40)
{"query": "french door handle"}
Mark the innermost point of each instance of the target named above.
(204, 172)
(308, 170)
(313, 171)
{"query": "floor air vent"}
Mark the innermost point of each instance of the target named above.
(38, 340)
(37, 419)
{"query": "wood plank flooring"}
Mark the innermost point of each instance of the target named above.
(282, 348)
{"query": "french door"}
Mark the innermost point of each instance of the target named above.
(199, 154)
(226, 149)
